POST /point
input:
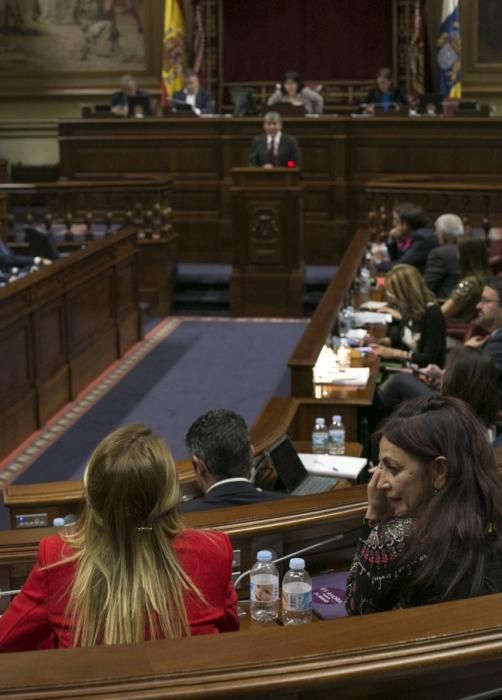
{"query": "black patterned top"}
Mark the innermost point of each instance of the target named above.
(376, 580)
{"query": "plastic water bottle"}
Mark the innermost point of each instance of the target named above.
(345, 320)
(344, 354)
(264, 582)
(336, 436)
(320, 437)
(296, 594)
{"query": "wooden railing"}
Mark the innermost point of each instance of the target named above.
(63, 325)
(322, 324)
(80, 211)
(478, 203)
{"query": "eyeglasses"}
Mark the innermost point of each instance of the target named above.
(484, 300)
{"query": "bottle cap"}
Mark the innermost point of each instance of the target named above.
(58, 522)
(337, 419)
(297, 564)
(320, 419)
(264, 555)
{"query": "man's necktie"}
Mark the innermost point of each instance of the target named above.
(271, 152)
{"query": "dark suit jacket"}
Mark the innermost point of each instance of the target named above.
(9, 259)
(442, 270)
(234, 493)
(120, 98)
(374, 96)
(289, 150)
(423, 241)
(203, 100)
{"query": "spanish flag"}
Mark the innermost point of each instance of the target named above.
(450, 51)
(173, 59)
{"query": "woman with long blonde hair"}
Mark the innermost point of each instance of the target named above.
(419, 336)
(129, 571)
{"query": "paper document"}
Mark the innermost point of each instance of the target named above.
(353, 376)
(373, 305)
(356, 334)
(362, 318)
(331, 465)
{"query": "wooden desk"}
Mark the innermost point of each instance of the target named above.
(60, 327)
(340, 155)
(438, 652)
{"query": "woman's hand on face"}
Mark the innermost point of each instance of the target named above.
(378, 507)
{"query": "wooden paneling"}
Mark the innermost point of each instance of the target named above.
(60, 327)
(339, 155)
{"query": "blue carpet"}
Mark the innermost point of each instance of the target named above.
(202, 365)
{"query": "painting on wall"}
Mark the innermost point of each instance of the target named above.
(69, 38)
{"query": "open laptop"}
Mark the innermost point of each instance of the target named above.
(139, 104)
(294, 477)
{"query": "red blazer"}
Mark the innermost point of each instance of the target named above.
(36, 617)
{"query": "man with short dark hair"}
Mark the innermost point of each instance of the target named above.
(410, 239)
(222, 456)
(274, 148)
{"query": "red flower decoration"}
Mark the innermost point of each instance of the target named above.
(291, 164)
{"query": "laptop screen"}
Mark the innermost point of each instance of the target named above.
(287, 464)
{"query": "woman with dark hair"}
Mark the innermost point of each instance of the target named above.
(129, 571)
(433, 527)
(293, 91)
(475, 270)
(384, 93)
(470, 375)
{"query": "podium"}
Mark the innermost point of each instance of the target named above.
(267, 227)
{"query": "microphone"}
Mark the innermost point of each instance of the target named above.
(335, 538)
(4, 594)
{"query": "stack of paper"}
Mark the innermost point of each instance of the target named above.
(362, 318)
(373, 305)
(352, 376)
(332, 465)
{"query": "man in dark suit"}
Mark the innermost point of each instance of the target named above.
(442, 270)
(222, 456)
(410, 240)
(194, 95)
(274, 148)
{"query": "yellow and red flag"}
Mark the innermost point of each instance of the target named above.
(173, 59)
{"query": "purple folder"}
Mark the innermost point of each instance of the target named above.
(328, 595)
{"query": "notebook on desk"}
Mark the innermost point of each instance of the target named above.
(329, 595)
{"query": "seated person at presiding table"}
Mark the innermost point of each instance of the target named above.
(433, 527)
(222, 457)
(129, 88)
(384, 93)
(410, 240)
(194, 95)
(418, 334)
(128, 572)
(442, 269)
(293, 91)
(275, 148)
